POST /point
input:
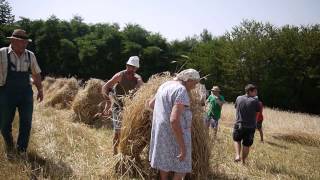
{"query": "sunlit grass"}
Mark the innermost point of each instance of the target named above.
(63, 149)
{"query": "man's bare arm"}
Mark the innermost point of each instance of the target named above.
(107, 86)
(37, 82)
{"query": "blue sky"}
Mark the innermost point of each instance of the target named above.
(175, 19)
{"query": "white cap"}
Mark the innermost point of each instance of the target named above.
(188, 74)
(134, 61)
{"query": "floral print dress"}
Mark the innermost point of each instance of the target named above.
(164, 148)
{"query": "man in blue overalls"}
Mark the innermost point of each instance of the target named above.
(16, 67)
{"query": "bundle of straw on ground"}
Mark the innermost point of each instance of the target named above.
(132, 159)
(61, 93)
(201, 141)
(47, 82)
(88, 102)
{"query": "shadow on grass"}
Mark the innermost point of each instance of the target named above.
(220, 175)
(278, 168)
(46, 168)
(277, 145)
(299, 138)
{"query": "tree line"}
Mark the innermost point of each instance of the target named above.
(284, 62)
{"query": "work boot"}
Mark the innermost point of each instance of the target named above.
(10, 152)
(23, 155)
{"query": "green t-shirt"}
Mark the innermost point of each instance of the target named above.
(214, 107)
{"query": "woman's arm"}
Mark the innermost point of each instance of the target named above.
(177, 130)
(151, 103)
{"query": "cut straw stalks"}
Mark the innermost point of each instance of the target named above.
(201, 141)
(88, 102)
(47, 82)
(61, 92)
(136, 132)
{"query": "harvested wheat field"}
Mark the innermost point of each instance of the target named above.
(62, 148)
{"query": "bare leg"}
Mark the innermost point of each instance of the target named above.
(261, 134)
(164, 175)
(116, 136)
(179, 176)
(237, 146)
(245, 152)
(214, 133)
(215, 130)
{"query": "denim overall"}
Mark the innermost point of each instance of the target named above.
(18, 94)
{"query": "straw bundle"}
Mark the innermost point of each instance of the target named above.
(61, 93)
(88, 102)
(136, 120)
(136, 132)
(47, 82)
(201, 143)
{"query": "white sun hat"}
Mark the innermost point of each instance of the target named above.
(134, 61)
(188, 74)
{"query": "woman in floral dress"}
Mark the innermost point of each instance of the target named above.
(170, 144)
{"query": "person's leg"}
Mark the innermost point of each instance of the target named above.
(6, 130)
(237, 146)
(25, 109)
(261, 134)
(248, 137)
(178, 176)
(2, 105)
(245, 152)
(237, 138)
(163, 175)
(259, 127)
(215, 128)
(116, 128)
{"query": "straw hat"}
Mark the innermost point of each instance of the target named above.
(215, 88)
(20, 35)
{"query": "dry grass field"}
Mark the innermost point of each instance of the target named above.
(61, 148)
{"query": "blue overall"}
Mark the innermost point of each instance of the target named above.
(17, 94)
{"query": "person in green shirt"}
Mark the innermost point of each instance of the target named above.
(215, 102)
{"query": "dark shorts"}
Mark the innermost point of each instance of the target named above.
(246, 135)
(259, 125)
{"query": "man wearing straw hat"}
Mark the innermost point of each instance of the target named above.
(17, 65)
(120, 85)
(215, 101)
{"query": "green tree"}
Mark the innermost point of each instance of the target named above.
(6, 16)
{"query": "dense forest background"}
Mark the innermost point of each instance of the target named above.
(284, 62)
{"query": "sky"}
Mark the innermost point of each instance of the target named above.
(174, 19)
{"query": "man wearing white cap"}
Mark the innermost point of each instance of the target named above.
(17, 65)
(121, 84)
